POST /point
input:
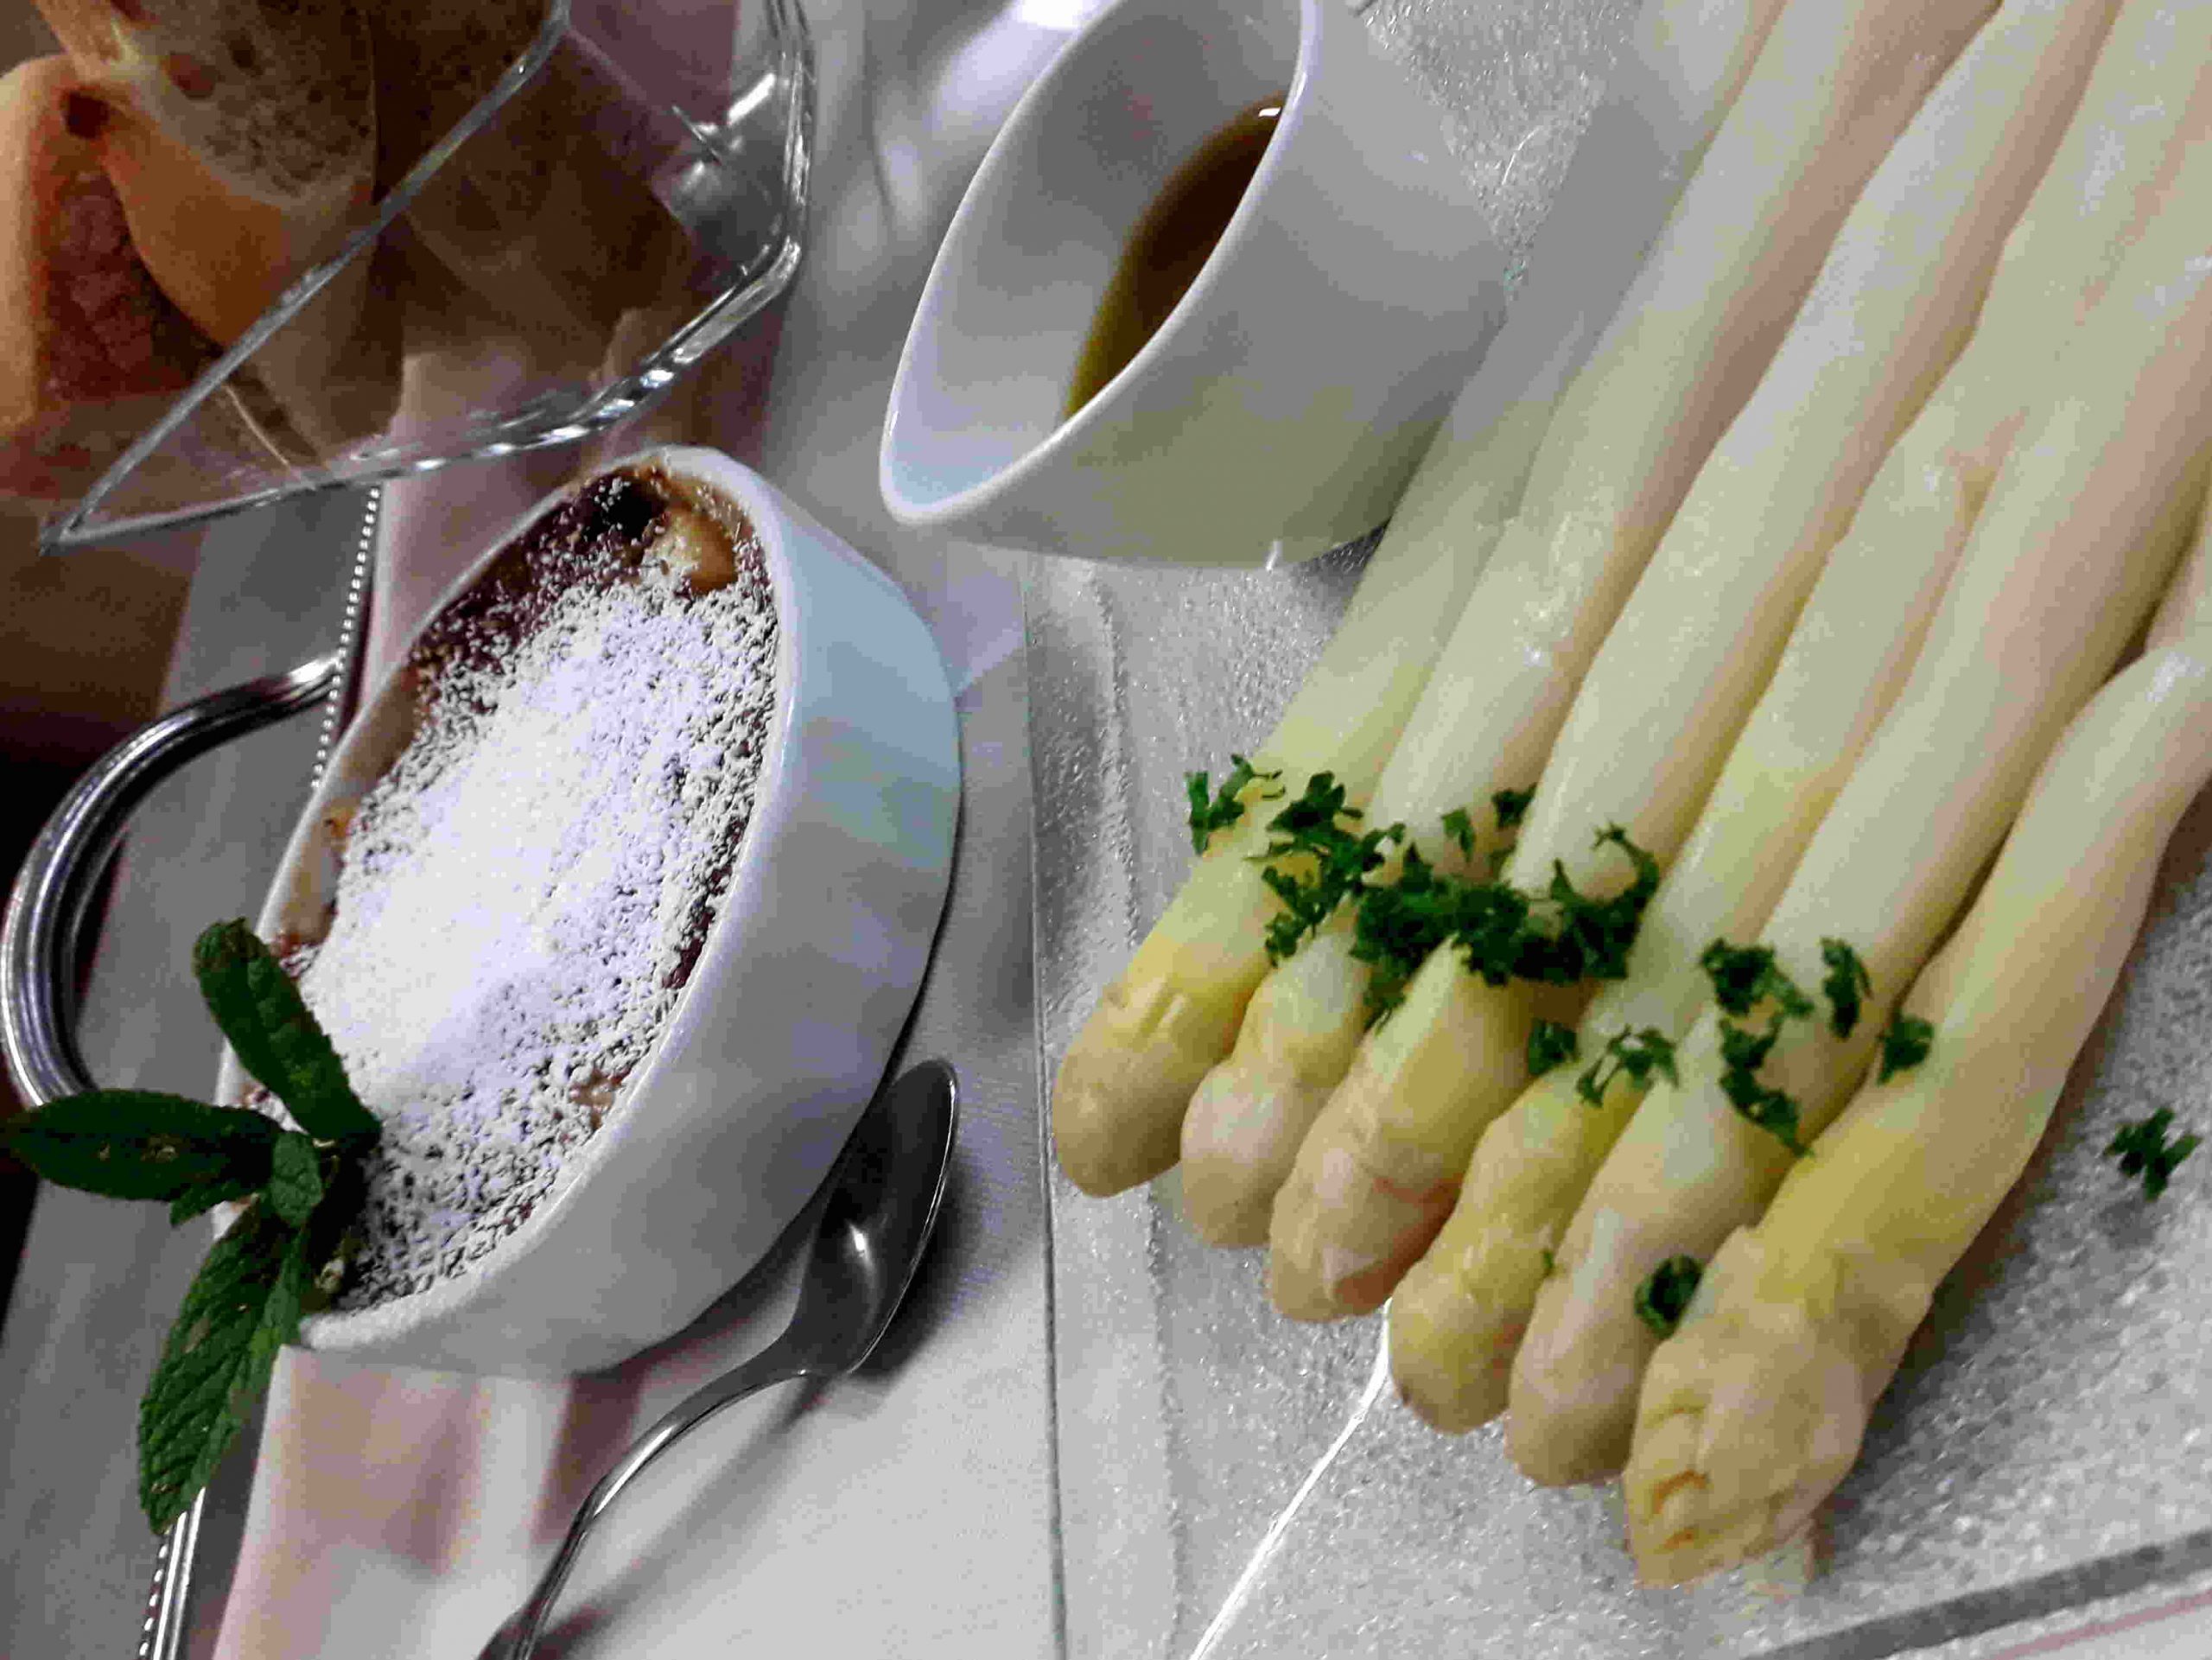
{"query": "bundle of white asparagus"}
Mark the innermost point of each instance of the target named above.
(1969, 504)
(1758, 629)
(1378, 1173)
(1832, 87)
(1119, 1101)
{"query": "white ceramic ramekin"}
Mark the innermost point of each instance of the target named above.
(1280, 408)
(790, 1014)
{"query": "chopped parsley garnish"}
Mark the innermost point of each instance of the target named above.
(1224, 806)
(1550, 1045)
(1742, 975)
(1905, 1043)
(1846, 983)
(1512, 806)
(1773, 1110)
(1399, 924)
(1555, 937)
(1664, 1296)
(1582, 938)
(1315, 861)
(2143, 1150)
(1460, 829)
(1745, 1051)
(1639, 1053)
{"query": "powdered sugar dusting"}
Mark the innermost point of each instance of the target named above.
(524, 891)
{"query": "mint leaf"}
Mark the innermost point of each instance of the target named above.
(244, 1306)
(198, 1201)
(1510, 807)
(275, 1036)
(295, 1178)
(141, 1144)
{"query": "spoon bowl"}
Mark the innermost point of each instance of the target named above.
(877, 1219)
(880, 1206)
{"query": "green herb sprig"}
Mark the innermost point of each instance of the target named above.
(1743, 977)
(1223, 807)
(1639, 1053)
(1400, 923)
(2143, 1150)
(1846, 984)
(1510, 807)
(1557, 937)
(1459, 830)
(302, 1191)
(1551, 1045)
(1905, 1043)
(1664, 1296)
(1315, 860)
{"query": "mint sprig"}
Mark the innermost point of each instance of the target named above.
(142, 1144)
(243, 1307)
(302, 1190)
(274, 1037)
(294, 1178)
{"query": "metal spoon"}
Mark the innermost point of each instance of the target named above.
(883, 1200)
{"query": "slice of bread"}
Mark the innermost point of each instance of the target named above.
(240, 134)
(91, 351)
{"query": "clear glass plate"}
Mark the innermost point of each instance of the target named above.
(669, 176)
(1234, 1484)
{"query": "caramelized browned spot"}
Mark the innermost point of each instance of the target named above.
(188, 75)
(696, 550)
(1673, 1484)
(85, 114)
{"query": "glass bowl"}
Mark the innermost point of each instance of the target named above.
(618, 202)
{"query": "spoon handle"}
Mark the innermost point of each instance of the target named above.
(781, 1362)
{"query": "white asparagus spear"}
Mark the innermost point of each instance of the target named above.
(2125, 161)
(1118, 1103)
(1833, 87)
(1756, 1407)
(2065, 564)
(1378, 1173)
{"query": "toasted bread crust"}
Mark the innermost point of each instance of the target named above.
(241, 135)
(90, 349)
